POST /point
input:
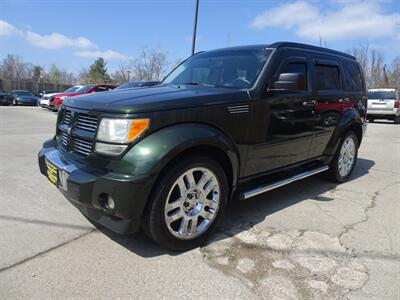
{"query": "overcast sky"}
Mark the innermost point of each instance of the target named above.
(72, 33)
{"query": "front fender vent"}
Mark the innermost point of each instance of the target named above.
(238, 109)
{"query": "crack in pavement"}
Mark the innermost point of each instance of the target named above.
(371, 205)
(45, 251)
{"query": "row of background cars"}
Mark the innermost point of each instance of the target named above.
(53, 99)
(382, 103)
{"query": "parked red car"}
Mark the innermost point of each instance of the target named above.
(58, 99)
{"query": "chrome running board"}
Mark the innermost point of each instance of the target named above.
(276, 184)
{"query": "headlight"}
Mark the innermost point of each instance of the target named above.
(19, 98)
(63, 97)
(119, 131)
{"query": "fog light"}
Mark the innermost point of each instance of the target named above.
(110, 203)
(106, 202)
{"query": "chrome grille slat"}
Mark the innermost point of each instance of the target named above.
(82, 146)
(66, 119)
(64, 138)
(76, 120)
(86, 122)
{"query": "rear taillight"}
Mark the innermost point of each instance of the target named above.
(396, 103)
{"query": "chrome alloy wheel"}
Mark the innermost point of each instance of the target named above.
(347, 157)
(192, 204)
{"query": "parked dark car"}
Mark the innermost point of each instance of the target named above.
(2, 95)
(136, 84)
(21, 97)
(228, 123)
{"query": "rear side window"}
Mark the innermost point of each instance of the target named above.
(353, 79)
(296, 67)
(327, 77)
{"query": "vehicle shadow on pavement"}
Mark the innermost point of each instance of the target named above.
(243, 215)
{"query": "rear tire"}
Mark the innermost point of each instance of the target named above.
(371, 120)
(187, 203)
(345, 158)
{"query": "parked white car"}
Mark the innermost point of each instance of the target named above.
(384, 104)
(45, 100)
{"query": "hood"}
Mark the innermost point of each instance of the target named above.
(47, 96)
(157, 98)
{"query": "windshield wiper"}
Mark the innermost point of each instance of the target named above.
(197, 83)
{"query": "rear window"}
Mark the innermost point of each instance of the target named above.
(353, 78)
(381, 95)
(327, 77)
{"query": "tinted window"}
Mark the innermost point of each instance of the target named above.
(22, 93)
(327, 77)
(353, 78)
(381, 95)
(84, 89)
(296, 67)
(227, 68)
(71, 89)
(101, 89)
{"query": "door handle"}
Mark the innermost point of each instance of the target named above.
(343, 100)
(309, 103)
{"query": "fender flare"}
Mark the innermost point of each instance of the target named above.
(151, 154)
(350, 119)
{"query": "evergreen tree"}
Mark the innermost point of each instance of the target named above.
(98, 72)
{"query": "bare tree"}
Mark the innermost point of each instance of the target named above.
(394, 73)
(151, 64)
(123, 73)
(14, 68)
(372, 62)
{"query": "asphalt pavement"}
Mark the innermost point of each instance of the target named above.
(312, 239)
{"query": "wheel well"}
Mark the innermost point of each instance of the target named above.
(210, 151)
(356, 128)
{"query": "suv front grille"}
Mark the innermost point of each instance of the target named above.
(77, 131)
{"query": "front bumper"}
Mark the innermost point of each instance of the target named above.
(86, 188)
(44, 103)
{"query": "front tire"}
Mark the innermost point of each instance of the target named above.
(14, 102)
(187, 203)
(345, 158)
(396, 120)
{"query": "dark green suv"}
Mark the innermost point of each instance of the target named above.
(228, 123)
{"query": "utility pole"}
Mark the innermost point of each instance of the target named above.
(196, 13)
(129, 72)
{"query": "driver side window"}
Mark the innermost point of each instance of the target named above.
(296, 67)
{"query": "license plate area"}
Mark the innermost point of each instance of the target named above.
(52, 173)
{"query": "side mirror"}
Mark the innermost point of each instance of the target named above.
(288, 82)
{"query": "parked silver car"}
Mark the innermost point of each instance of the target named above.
(384, 104)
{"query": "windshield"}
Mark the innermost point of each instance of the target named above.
(381, 95)
(84, 89)
(225, 68)
(22, 93)
(128, 85)
(71, 89)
